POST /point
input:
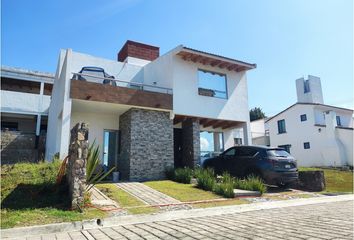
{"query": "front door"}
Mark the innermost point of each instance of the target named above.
(110, 149)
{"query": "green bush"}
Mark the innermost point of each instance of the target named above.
(251, 183)
(183, 175)
(170, 173)
(226, 186)
(205, 179)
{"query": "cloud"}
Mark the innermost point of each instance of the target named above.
(204, 144)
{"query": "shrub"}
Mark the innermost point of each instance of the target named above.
(170, 173)
(183, 175)
(251, 183)
(226, 187)
(206, 179)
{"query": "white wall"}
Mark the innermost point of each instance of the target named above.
(324, 149)
(96, 124)
(27, 103)
(346, 138)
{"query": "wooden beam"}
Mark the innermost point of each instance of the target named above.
(232, 67)
(224, 65)
(239, 69)
(188, 57)
(197, 58)
(210, 123)
(205, 61)
(231, 124)
(203, 121)
(214, 63)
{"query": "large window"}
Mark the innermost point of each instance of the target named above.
(281, 126)
(212, 84)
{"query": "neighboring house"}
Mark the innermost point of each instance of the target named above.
(25, 99)
(153, 118)
(314, 133)
(260, 132)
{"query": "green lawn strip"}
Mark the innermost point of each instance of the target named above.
(125, 200)
(337, 181)
(221, 203)
(29, 217)
(180, 191)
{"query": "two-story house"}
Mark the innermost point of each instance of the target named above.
(149, 117)
(314, 133)
(25, 99)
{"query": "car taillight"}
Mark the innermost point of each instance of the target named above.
(275, 163)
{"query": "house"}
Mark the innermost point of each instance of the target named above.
(316, 134)
(260, 132)
(25, 99)
(152, 119)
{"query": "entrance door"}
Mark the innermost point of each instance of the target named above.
(110, 149)
(177, 135)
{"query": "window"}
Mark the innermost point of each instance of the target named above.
(303, 117)
(306, 145)
(286, 147)
(339, 123)
(281, 126)
(277, 153)
(212, 84)
(230, 152)
(237, 141)
(245, 152)
(306, 86)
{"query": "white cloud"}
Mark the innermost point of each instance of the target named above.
(204, 144)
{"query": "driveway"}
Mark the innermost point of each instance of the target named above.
(301, 219)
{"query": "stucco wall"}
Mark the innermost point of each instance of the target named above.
(324, 150)
(346, 138)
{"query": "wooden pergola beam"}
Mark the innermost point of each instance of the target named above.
(210, 123)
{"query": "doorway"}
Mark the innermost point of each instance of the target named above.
(110, 149)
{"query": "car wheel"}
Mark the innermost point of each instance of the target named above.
(254, 173)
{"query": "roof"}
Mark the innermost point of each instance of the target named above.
(314, 104)
(190, 54)
(27, 75)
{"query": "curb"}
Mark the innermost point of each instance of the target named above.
(165, 216)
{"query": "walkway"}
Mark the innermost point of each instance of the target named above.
(146, 194)
(100, 199)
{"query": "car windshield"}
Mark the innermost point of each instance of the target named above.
(278, 153)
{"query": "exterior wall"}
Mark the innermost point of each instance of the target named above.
(345, 136)
(324, 146)
(315, 93)
(146, 144)
(96, 125)
(258, 132)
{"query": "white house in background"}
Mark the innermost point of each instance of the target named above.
(153, 117)
(25, 99)
(314, 133)
(260, 132)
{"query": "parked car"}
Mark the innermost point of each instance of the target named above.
(273, 165)
(96, 75)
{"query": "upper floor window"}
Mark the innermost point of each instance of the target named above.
(306, 86)
(306, 145)
(339, 123)
(281, 126)
(303, 117)
(212, 84)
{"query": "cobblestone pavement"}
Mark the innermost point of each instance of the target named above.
(146, 194)
(333, 220)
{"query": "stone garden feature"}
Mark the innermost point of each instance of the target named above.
(312, 181)
(76, 166)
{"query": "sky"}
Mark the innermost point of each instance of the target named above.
(287, 39)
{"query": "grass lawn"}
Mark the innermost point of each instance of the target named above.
(336, 180)
(180, 191)
(29, 196)
(125, 200)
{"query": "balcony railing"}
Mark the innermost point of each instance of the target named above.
(127, 84)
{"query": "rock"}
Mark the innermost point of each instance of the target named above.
(312, 181)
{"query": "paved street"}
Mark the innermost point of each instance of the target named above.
(333, 220)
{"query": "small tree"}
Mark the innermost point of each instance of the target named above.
(256, 113)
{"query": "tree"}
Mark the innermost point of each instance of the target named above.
(256, 113)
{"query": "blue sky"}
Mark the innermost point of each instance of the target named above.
(287, 39)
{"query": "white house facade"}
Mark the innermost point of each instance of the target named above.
(314, 133)
(150, 115)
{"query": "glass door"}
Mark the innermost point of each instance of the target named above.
(110, 149)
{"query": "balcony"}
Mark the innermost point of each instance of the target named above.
(121, 92)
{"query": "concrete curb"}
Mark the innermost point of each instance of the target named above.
(165, 216)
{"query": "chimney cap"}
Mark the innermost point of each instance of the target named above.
(138, 50)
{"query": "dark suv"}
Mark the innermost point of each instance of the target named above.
(273, 165)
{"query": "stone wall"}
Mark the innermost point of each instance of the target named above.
(190, 143)
(146, 144)
(18, 147)
(76, 166)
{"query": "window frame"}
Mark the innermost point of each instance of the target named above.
(279, 126)
(303, 119)
(212, 72)
(307, 145)
(339, 121)
(229, 150)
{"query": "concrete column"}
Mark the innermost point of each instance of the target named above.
(216, 136)
(38, 125)
(247, 139)
(191, 143)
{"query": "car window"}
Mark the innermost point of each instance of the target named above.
(246, 152)
(277, 153)
(230, 152)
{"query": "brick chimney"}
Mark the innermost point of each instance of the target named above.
(138, 50)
